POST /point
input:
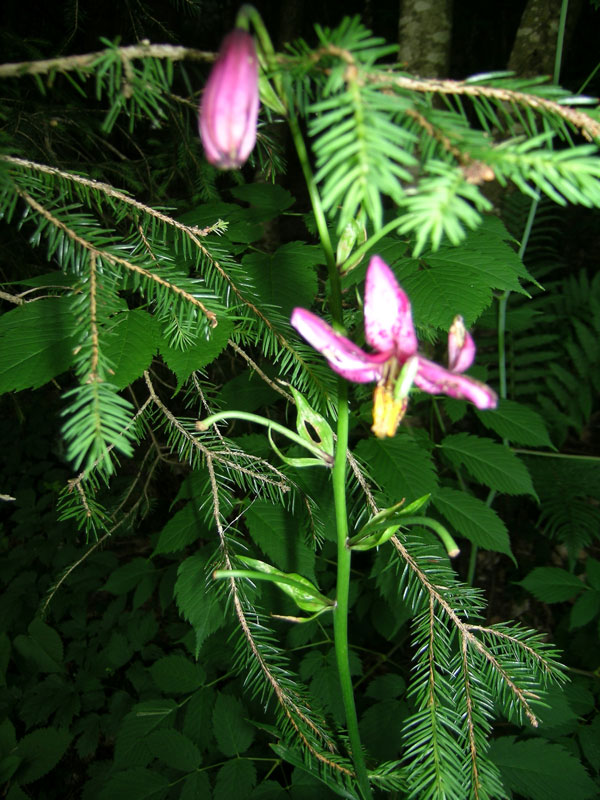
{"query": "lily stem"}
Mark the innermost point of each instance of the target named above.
(340, 614)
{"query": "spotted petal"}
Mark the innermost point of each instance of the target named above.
(343, 355)
(388, 316)
(434, 379)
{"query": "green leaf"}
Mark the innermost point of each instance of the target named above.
(460, 280)
(127, 577)
(302, 591)
(43, 647)
(16, 793)
(174, 749)
(592, 570)
(246, 392)
(585, 609)
(196, 787)
(539, 770)
(198, 709)
(473, 519)
(287, 277)
(400, 467)
(589, 738)
(235, 779)
(4, 657)
(518, 423)
(184, 362)
(197, 601)
(278, 535)
(136, 783)
(131, 347)
(552, 584)
(184, 527)
(233, 733)
(386, 687)
(36, 343)
(489, 463)
(176, 674)
(381, 728)
(40, 752)
(8, 737)
(266, 198)
(130, 744)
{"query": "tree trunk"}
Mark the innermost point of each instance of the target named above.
(424, 32)
(535, 43)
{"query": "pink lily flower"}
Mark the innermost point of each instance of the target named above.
(229, 106)
(395, 363)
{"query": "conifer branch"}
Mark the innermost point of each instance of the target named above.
(466, 634)
(88, 61)
(114, 259)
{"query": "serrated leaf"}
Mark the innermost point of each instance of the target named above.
(4, 657)
(539, 770)
(174, 749)
(386, 687)
(235, 779)
(287, 277)
(585, 609)
(400, 467)
(592, 570)
(184, 362)
(127, 577)
(279, 536)
(8, 737)
(40, 752)
(518, 423)
(196, 787)
(176, 674)
(137, 783)
(473, 519)
(47, 638)
(198, 603)
(233, 733)
(131, 346)
(552, 584)
(184, 527)
(381, 728)
(36, 343)
(43, 647)
(589, 738)
(198, 709)
(489, 463)
(265, 198)
(439, 293)
(130, 745)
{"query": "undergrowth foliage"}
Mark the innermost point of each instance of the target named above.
(171, 584)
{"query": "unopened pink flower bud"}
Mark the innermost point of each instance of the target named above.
(229, 106)
(461, 347)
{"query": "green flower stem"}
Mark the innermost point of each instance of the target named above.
(451, 547)
(204, 424)
(340, 614)
(335, 286)
(340, 618)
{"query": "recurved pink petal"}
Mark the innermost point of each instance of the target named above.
(343, 355)
(388, 316)
(434, 379)
(461, 347)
